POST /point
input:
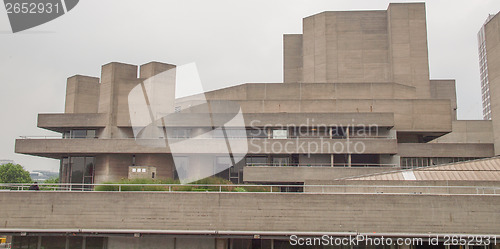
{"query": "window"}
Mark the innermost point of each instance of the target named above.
(78, 170)
(80, 134)
(256, 160)
(280, 134)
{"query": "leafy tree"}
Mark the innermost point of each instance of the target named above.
(14, 173)
(54, 179)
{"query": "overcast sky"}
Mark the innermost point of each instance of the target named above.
(232, 42)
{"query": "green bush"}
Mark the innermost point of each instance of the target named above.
(136, 188)
(50, 187)
(206, 186)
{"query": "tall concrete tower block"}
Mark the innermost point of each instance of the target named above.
(361, 47)
(492, 35)
(82, 94)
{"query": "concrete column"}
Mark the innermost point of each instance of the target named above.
(332, 162)
(82, 94)
(349, 158)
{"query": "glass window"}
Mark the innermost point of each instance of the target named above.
(281, 161)
(75, 242)
(94, 243)
(55, 242)
(280, 134)
(25, 242)
(79, 134)
(257, 133)
(91, 134)
(256, 160)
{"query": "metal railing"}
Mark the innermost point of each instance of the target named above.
(338, 165)
(230, 137)
(241, 188)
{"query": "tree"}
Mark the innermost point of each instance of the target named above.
(14, 173)
(54, 179)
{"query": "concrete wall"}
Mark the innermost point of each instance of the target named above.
(163, 162)
(58, 122)
(363, 213)
(408, 55)
(416, 115)
(82, 94)
(445, 89)
(364, 46)
(445, 150)
(292, 58)
(346, 47)
(111, 168)
(408, 186)
(50, 147)
(303, 174)
(469, 131)
(305, 91)
(492, 31)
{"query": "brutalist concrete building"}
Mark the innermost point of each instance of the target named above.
(357, 76)
(356, 102)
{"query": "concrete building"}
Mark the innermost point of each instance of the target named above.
(483, 70)
(492, 40)
(356, 100)
(5, 161)
(359, 77)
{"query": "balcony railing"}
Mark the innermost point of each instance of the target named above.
(340, 165)
(230, 137)
(239, 188)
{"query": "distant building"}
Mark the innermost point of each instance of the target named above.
(6, 161)
(43, 175)
(483, 70)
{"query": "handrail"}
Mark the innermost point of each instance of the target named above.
(338, 165)
(230, 137)
(308, 189)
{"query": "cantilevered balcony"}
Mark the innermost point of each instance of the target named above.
(57, 147)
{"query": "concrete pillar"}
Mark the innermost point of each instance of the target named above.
(292, 58)
(113, 167)
(117, 79)
(163, 162)
(408, 53)
(82, 94)
(349, 157)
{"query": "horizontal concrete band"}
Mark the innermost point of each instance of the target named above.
(98, 120)
(271, 212)
(252, 146)
(303, 174)
(445, 150)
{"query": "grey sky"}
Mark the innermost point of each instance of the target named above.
(232, 42)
